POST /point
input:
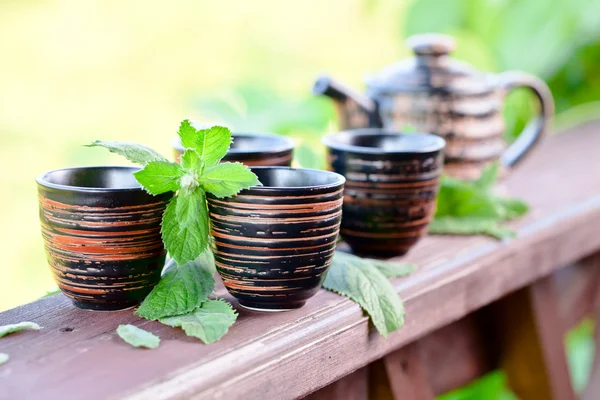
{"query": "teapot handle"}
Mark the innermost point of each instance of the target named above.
(538, 126)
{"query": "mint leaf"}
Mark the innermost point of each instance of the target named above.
(227, 179)
(191, 208)
(208, 323)
(3, 358)
(136, 153)
(159, 177)
(513, 208)
(207, 260)
(210, 144)
(388, 268)
(51, 292)
(470, 226)
(184, 242)
(470, 208)
(138, 337)
(191, 160)
(180, 291)
(488, 177)
(187, 134)
(7, 329)
(359, 280)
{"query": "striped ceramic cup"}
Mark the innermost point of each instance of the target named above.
(274, 243)
(102, 236)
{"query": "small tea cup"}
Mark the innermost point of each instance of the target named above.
(274, 243)
(101, 232)
(392, 180)
(253, 149)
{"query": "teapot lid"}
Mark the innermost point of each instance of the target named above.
(430, 70)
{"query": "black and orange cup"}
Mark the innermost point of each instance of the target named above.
(392, 180)
(253, 149)
(274, 243)
(101, 232)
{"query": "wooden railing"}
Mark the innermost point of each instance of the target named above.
(474, 305)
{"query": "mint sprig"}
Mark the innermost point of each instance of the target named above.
(181, 298)
(185, 223)
(471, 208)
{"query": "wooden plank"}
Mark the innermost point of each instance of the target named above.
(443, 360)
(531, 338)
(406, 373)
(288, 355)
(592, 389)
(458, 353)
(578, 287)
(350, 387)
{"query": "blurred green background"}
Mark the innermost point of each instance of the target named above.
(74, 71)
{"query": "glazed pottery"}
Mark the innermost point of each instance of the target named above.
(274, 243)
(102, 235)
(253, 149)
(392, 180)
(437, 94)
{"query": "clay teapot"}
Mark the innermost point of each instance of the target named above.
(435, 93)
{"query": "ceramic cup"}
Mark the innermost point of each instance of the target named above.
(392, 182)
(274, 243)
(254, 149)
(102, 235)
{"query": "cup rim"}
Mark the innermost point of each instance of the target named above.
(285, 143)
(340, 180)
(40, 179)
(438, 143)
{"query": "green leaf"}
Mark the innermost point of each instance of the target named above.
(7, 329)
(207, 260)
(488, 177)
(136, 153)
(138, 337)
(191, 208)
(513, 208)
(469, 226)
(180, 290)
(210, 144)
(359, 280)
(184, 243)
(458, 199)
(208, 323)
(187, 134)
(160, 177)
(3, 358)
(191, 160)
(388, 268)
(227, 179)
(51, 292)
(470, 208)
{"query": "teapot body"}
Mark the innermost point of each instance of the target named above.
(471, 123)
(434, 93)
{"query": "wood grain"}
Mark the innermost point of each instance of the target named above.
(531, 337)
(289, 355)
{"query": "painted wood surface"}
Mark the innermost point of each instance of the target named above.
(289, 355)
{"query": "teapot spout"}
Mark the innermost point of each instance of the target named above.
(355, 110)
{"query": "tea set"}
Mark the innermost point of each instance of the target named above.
(273, 243)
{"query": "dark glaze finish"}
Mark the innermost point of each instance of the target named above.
(392, 180)
(274, 243)
(253, 149)
(102, 235)
(434, 93)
